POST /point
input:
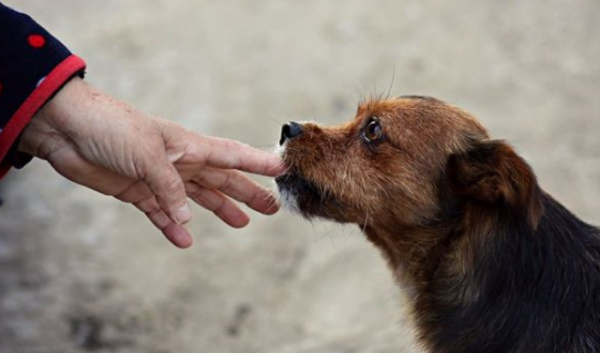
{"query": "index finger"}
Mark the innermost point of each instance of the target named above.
(230, 154)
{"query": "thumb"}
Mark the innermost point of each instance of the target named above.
(167, 186)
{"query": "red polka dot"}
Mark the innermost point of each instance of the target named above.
(37, 41)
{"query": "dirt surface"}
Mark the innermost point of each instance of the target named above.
(80, 272)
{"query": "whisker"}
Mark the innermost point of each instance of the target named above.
(389, 92)
(264, 147)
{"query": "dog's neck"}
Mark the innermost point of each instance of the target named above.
(453, 239)
(413, 253)
(434, 264)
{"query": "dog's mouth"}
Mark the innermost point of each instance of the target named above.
(295, 188)
(310, 199)
(301, 195)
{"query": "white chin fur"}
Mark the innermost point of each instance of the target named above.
(288, 201)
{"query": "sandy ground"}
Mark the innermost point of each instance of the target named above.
(80, 272)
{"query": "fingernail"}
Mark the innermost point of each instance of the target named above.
(182, 238)
(183, 214)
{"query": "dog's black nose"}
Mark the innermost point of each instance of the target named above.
(289, 131)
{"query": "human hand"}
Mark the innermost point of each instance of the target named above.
(101, 143)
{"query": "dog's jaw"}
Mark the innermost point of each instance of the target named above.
(288, 200)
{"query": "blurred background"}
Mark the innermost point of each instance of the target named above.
(81, 272)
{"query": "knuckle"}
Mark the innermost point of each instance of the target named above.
(172, 184)
(255, 197)
(226, 183)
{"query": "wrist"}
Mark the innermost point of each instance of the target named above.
(51, 120)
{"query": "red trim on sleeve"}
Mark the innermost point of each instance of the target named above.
(52, 83)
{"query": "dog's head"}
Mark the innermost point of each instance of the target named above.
(400, 162)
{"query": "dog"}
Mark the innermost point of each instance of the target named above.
(490, 261)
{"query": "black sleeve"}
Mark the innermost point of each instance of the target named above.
(33, 67)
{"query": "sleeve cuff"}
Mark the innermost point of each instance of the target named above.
(58, 77)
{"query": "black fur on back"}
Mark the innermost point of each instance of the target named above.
(528, 290)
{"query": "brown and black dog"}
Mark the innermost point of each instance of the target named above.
(492, 262)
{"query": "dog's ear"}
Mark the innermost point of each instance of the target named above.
(491, 172)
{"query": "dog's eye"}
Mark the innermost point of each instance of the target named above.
(373, 130)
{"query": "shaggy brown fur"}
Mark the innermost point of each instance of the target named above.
(494, 263)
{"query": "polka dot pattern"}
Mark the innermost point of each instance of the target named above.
(36, 41)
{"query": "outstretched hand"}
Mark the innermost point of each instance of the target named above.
(152, 163)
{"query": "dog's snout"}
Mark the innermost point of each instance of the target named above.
(289, 131)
